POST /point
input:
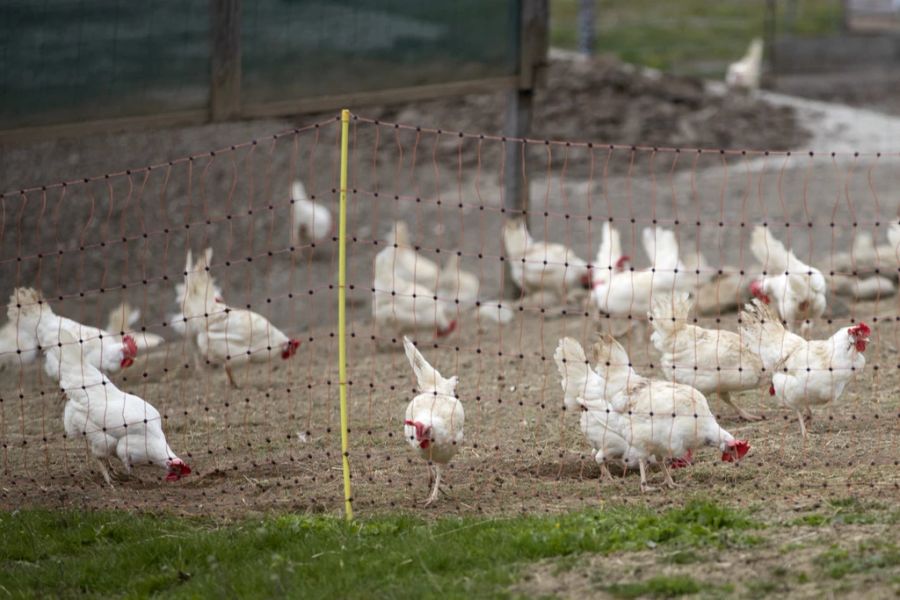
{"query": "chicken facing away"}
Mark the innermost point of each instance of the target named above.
(628, 293)
(434, 420)
(542, 266)
(401, 306)
(112, 422)
(122, 320)
(36, 320)
(804, 373)
(709, 360)
(746, 72)
(231, 336)
(312, 222)
(653, 418)
(796, 289)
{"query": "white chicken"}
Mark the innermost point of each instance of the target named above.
(434, 419)
(543, 267)
(311, 221)
(584, 390)
(231, 336)
(122, 320)
(189, 320)
(653, 418)
(709, 360)
(746, 72)
(610, 258)
(796, 289)
(18, 346)
(36, 320)
(456, 287)
(400, 305)
(893, 235)
(804, 373)
(660, 245)
(112, 422)
(405, 262)
(628, 293)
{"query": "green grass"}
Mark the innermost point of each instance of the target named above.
(688, 36)
(101, 554)
(866, 557)
(850, 511)
(657, 587)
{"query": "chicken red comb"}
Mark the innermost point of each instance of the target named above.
(177, 469)
(623, 260)
(861, 329)
(736, 450)
(290, 348)
(586, 280)
(756, 288)
(131, 348)
(450, 329)
(421, 435)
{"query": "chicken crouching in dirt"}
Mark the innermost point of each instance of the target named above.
(552, 270)
(111, 422)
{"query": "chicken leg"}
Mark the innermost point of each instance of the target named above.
(435, 489)
(230, 376)
(802, 425)
(747, 416)
(642, 465)
(104, 470)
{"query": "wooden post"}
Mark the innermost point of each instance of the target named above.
(533, 42)
(225, 59)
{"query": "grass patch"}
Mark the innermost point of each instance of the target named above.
(850, 511)
(690, 36)
(870, 556)
(100, 554)
(657, 587)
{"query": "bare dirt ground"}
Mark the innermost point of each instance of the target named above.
(274, 444)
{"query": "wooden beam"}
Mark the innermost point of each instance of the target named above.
(390, 96)
(225, 59)
(83, 128)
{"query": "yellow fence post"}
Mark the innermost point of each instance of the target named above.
(342, 314)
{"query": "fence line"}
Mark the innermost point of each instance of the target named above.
(275, 437)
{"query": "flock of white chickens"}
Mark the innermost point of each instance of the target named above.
(114, 423)
(632, 419)
(629, 418)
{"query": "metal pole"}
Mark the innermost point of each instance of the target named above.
(342, 315)
(586, 24)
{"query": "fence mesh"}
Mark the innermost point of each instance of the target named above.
(273, 440)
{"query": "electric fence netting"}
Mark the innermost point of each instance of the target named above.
(237, 346)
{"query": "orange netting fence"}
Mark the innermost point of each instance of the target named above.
(236, 347)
